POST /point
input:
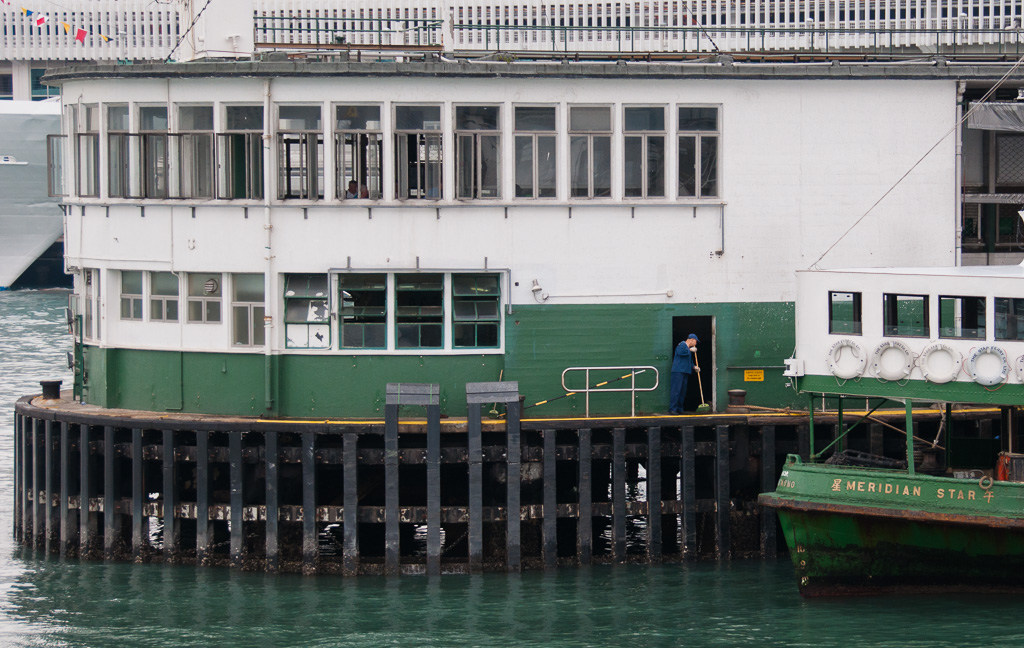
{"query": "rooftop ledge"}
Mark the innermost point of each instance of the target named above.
(927, 68)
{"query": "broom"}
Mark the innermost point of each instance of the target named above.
(703, 408)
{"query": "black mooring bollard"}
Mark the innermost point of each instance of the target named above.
(51, 389)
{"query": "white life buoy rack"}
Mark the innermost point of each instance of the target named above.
(846, 359)
(892, 369)
(989, 373)
(934, 369)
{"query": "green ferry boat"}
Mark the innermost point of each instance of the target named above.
(863, 524)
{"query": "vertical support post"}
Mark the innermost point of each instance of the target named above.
(139, 522)
(48, 508)
(875, 439)
(768, 478)
(722, 506)
(550, 502)
(350, 557)
(392, 541)
(110, 518)
(654, 494)
(235, 477)
(37, 480)
(910, 436)
(810, 424)
(65, 451)
(272, 458)
(310, 548)
(803, 442)
(433, 490)
(513, 524)
(476, 458)
(841, 443)
(17, 477)
(26, 512)
(202, 497)
(619, 493)
(688, 484)
(172, 530)
(585, 522)
(87, 519)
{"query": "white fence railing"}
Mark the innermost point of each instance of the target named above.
(144, 29)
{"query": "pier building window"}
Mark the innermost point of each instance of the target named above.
(905, 315)
(476, 310)
(248, 310)
(6, 87)
(962, 317)
(204, 297)
(131, 295)
(195, 151)
(163, 297)
(240, 154)
(40, 90)
(1009, 318)
(300, 153)
(364, 299)
(153, 141)
(535, 146)
(88, 153)
(644, 152)
(118, 152)
(418, 152)
(91, 320)
(358, 151)
(55, 165)
(477, 151)
(419, 311)
(590, 151)
(698, 151)
(307, 312)
(844, 316)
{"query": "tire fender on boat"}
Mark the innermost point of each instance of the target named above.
(940, 363)
(892, 360)
(848, 364)
(987, 365)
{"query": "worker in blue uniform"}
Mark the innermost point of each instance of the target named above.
(682, 366)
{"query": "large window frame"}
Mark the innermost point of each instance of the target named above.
(300, 152)
(307, 311)
(419, 152)
(132, 295)
(358, 152)
(119, 148)
(420, 303)
(590, 151)
(478, 152)
(698, 132)
(844, 313)
(87, 153)
(476, 311)
(248, 312)
(164, 297)
(363, 309)
(240, 153)
(962, 317)
(154, 153)
(643, 151)
(905, 315)
(535, 140)
(195, 153)
(205, 297)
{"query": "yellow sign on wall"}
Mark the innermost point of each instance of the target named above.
(753, 375)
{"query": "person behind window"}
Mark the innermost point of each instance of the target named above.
(353, 190)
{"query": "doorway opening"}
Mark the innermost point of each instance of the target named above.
(703, 326)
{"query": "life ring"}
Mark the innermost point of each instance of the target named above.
(987, 365)
(892, 360)
(846, 365)
(1020, 368)
(940, 363)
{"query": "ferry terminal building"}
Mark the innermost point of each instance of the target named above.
(286, 237)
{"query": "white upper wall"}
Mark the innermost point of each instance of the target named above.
(800, 163)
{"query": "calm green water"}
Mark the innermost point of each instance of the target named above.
(47, 602)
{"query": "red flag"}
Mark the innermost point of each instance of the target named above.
(40, 21)
(80, 35)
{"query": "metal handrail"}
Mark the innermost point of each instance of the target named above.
(599, 387)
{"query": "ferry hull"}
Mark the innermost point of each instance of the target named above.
(926, 534)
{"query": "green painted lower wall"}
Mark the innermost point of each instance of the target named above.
(541, 341)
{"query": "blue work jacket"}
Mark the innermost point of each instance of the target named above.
(683, 360)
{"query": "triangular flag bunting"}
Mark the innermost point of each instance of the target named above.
(26, 11)
(67, 28)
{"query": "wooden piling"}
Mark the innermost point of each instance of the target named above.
(172, 532)
(585, 523)
(350, 521)
(619, 494)
(140, 523)
(654, 494)
(433, 489)
(513, 467)
(110, 517)
(65, 492)
(37, 480)
(52, 523)
(272, 459)
(688, 485)
(203, 528)
(723, 547)
(475, 469)
(392, 546)
(768, 478)
(87, 519)
(235, 481)
(310, 544)
(550, 502)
